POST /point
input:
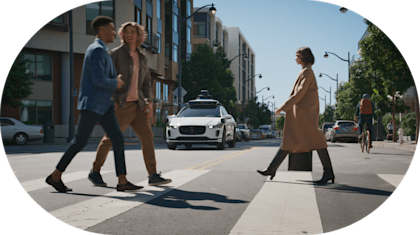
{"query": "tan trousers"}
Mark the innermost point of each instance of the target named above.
(136, 118)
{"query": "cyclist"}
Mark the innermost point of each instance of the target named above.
(364, 113)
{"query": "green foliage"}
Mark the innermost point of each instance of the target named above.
(409, 124)
(256, 113)
(18, 84)
(280, 123)
(387, 118)
(382, 73)
(208, 70)
(328, 115)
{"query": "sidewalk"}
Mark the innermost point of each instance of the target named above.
(407, 145)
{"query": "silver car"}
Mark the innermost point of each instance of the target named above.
(19, 133)
(344, 130)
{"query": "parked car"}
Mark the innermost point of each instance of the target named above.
(273, 134)
(328, 134)
(266, 129)
(327, 125)
(201, 121)
(256, 134)
(345, 130)
(19, 133)
(244, 131)
(238, 134)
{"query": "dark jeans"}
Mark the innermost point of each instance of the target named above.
(362, 122)
(86, 123)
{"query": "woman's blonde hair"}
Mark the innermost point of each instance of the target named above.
(306, 55)
(141, 34)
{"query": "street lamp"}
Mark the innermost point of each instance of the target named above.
(266, 98)
(326, 91)
(348, 60)
(325, 101)
(243, 54)
(268, 88)
(244, 85)
(320, 75)
(343, 10)
(213, 11)
(274, 116)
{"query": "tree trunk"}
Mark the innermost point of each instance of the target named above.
(394, 127)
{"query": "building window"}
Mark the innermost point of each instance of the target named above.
(158, 9)
(40, 66)
(165, 92)
(223, 40)
(95, 9)
(175, 22)
(149, 29)
(199, 29)
(159, 42)
(158, 115)
(188, 34)
(175, 54)
(217, 33)
(158, 90)
(188, 8)
(208, 31)
(138, 15)
(36, 112)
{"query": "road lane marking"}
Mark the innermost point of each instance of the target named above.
(221, 159)
(393, 179)
(40, 183)
(91, 212)
(193, 167)
(285, 205)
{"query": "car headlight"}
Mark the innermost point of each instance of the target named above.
(216, 126)
(172, 127)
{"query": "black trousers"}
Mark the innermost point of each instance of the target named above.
(86, 123)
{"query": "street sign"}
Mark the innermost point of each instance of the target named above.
(183, 92)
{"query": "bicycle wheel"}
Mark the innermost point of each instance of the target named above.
(367, 141)
(362, 142)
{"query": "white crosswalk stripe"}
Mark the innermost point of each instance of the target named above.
(67, 177)
(94, 211)
(286, 206)
(393, 179)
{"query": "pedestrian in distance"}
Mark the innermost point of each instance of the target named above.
(98, 81)
(301, 133)
(133, 102)
(390, 127)
(365, 110)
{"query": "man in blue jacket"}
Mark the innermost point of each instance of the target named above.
(99, 80)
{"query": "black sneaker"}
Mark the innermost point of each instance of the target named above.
(59, 186)
(155, 179)
(128, 186)
(96, 179)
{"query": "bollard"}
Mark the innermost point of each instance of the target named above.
(49, 132)
(401, 135)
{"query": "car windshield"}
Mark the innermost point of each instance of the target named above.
(326, 126)
(242, 126)
(264, 129)
(345, 124)
(200, 111)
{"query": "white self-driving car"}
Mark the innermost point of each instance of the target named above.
(201, 121)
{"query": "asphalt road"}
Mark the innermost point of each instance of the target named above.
(213, 191)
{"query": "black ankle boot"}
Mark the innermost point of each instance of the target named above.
(328, 175)
(275, 163)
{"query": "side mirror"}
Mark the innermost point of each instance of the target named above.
(229, 116)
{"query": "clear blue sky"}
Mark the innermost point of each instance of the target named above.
(276, 28)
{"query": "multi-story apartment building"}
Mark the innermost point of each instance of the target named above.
(49, 54)
(210, 29)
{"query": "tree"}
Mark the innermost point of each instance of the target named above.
(328, 115)
(280, 123)
(208, 70)
(18, 84)
(388, 69)
(409, 124)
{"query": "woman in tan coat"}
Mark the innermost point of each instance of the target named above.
(301, 133)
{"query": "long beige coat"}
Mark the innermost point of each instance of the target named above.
(301, 131)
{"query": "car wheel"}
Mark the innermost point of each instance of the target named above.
(171, 146)
(222, 145)
(333, 140)
(20, 139)
(247, 139)
(232, 143)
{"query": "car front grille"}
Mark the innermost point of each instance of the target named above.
(192, 138)
(192, 130)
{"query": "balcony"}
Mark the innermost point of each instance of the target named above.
(151, 42)
(60, 23)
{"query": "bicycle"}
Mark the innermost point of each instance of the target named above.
(365, 140)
